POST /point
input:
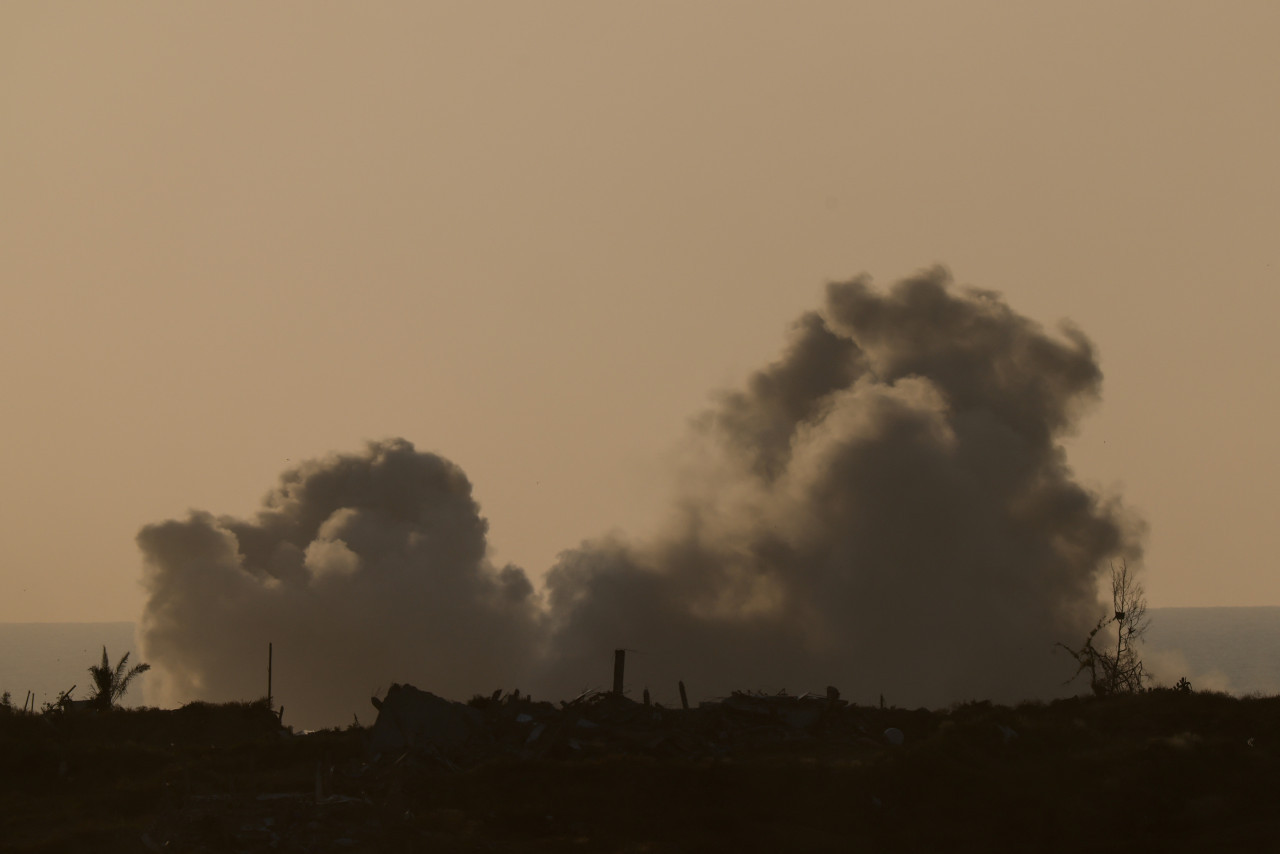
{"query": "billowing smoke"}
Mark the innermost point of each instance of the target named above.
(361, 570)
(886, 508)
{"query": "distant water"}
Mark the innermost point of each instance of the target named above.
(1221, 649)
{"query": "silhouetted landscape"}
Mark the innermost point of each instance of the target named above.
(1167, 769)
(890, 499)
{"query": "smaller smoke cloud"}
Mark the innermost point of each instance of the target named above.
(361, 569)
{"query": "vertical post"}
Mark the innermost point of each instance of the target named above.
(269, 705)
(684, 698)
(646, 696)
(619, 665)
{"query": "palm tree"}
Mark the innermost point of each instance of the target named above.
(109, 684)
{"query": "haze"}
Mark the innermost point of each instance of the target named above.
(538, 239)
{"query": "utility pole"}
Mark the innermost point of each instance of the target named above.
(619, 665)
(269, 705)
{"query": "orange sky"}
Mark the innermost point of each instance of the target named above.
(535, 238)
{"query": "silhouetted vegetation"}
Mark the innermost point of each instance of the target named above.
(1119, 670)
(1195, 770)
(111, 683)
(59, 704)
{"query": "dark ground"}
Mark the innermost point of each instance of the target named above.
(1163, 770)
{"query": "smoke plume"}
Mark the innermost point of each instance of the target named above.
(361, 570)
(886, 508)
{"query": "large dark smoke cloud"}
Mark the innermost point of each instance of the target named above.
(887, 508)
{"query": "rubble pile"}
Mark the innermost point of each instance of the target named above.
(752, 772)
(386, 791)
(599, 723)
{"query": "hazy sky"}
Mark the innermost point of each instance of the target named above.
(537, 237)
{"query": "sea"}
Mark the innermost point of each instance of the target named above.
(1233, 650)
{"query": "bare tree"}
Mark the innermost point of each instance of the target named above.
(1119, 670)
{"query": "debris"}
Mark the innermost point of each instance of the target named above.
(419, 736)
(485, 776)
(409, 718)
(417, 729)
